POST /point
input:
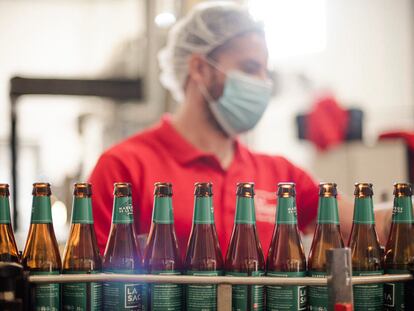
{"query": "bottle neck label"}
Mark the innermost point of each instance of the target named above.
(402, 211)
(328, 211)
(82, 211)
(41, 210)
(123, 211)
(364, 211)
(203, 211)
(162, 212)
(286, 211)
(4, 210)
(245, 211)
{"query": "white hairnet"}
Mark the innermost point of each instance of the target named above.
(207, 26)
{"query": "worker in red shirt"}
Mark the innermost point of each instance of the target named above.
(215, 66)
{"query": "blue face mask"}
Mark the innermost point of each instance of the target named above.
(242, 104)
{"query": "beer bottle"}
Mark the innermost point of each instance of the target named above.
(286, 257)
(161, 255)
(203, 255)
(122, 254)
(8, 248)
(400, 246)
(327, 236)
(81, 254)
(365, 250)
(245, 255)
(41, 253)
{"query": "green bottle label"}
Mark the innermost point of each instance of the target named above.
(328, 211)
(162, 212)
(41, 210)
(123, 211)
(364, 211)
(123, 295)
(402, 211)
(203, 210)
(289, 298)
(240, 294)
(286, 211)
(394, 293)
(47, 296)
(4, 210)
(368, 297)
(82, 211)
(245, 213)
(81, 296)
(201, 297)
(165, 297)
(318, 295)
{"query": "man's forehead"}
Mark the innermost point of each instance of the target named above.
(250, 47)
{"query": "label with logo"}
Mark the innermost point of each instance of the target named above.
(165, 297)
(81, 296)
(200, 297)
(46, 296)
(402, 212)
(245, 295)
(368, 297)
(162, 213)
(4, 210)
(41, 210)
(289, 298)
(286, 211)
(123, 211)
(122, 295)
(394, 293)
(318, 295)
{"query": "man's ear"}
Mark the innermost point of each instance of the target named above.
(198, 69)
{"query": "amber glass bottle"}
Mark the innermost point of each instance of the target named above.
(8, 248)
(399, 251)
(203, 255)
(365, 250)
(81, 254)
(41, 253)
(286, 257)
(161, 254)
(327, 236)
(122, 255)
(245, 255)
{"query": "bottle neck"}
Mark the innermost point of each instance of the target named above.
(162, 212)
(364, 211)
(41, 210)
(203, 211)
(328, 211)
(4, 210)
(122, 211)
(402, 211)
(82, 211)
(245, 213)
(286, 211)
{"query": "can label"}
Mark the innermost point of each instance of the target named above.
(41, 210)
(4, 210)
(165, 297)
(245, 295)
(318, 295)
(289, 298)
(81, 296)
(368, 297)
(200, 297)
(47, 296)
(394, 293)
(121, 295)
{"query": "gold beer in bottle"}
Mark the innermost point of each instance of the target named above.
(245, 255)
(399, 251)
(81, 254)
(365, 250)
(327, 236)
(41, 253)
(122, 255)
(286, 257)
(8, 248)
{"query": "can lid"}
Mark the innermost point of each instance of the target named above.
(122, 189)
(328, 189)
(286, 189)
(163, 189)
(203, 189)
(245, 189)
(82, 189)
(41, 189)
(363, 190)
(4, 190)
(403, 190)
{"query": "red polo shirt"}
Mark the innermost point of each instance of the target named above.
(162, 154)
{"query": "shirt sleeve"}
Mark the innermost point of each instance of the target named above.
(107, 171)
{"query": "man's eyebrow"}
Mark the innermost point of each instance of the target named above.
(250, 62)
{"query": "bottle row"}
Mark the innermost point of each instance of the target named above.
(244, 257)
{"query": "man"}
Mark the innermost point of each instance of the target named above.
(215, 65)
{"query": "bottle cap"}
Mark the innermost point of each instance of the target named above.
(4, 190)
(41, 189)
(203, 189)
(163, 189)
(402, 190)
(363, 190)
(82, 189)
(286, 189)
(122, 189)
(245, 189)
(328, 189)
